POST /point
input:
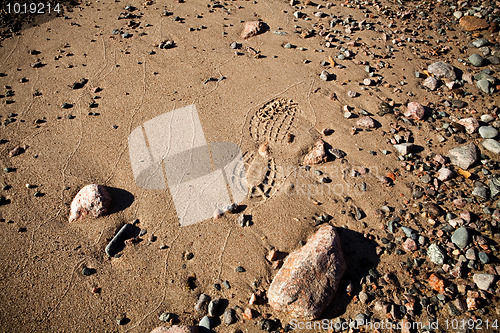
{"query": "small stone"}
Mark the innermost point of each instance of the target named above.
(252, 28)
(213, 307)
(415, 111)
(409, 245)
(404, 148)
(483, 281)
(352, 93)
(471, 124)
(471, 23)
(460, 237)
(325, 76)
(444, 174)
(492, 145)
(458, 14)
(488, 132)
(494, 187)
(239, 269)
(442, 70)
(202, 305)
(470, 254)
(366, 122)
(320, 260)
(431, 83)
(464, 156)
(484, 258)
(165, 316)
(229, 316)
(206, 323)
(480, 42)
(176, 329)
(121, 320)
(480, 190)
(476, 59)
(248, 314)
(92, 199)
(272, 255)
(483, 85)
(436, 282)
(435, 254)
(317, 154)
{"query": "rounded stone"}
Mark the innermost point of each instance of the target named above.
(488, 132)
(460, 237)
(476, 59)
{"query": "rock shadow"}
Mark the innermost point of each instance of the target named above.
(120, 199)
(360, 255)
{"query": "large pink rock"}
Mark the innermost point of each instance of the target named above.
(176, 329)
(317, 154)
(92, 199)
(415, 111)
(309, 278)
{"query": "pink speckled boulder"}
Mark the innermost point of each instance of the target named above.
(92, 199)
(309, 278)
(415, 111)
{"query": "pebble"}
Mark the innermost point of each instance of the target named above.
(415, 111)
(202, 305)
(480, 42)
(492, 145)
(486, 118)
(404, 148)
(480, 190)
(118, 242)
(325, 76)
(476, 59)
(431, 83)
(471, 124)
(483, 281)
(483, 85)
(460, 237)
(213, 307)
(176, 329)
(317, 154)
(464, 156)
(484, 258)
(92, 199)
(435, 254)
(488, 132)
(366, 122)
(206, 323)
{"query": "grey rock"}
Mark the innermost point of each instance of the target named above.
(492, 145)
(321, 260)
(444, 174)
(464, 156)
(404, 148)
(470, 254)
(494, 187)
(476, 59)
(483, 281)
(494, 60)
(435, 254)
(483, 85)
(482, 75)
(488, 132)
(460, 237)
(229, 316)
(441, 70)
(202, 304)
(458, 14)
(484, 258)
(431, 83)
(213, 307)
(206, 322)
(480, 42)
